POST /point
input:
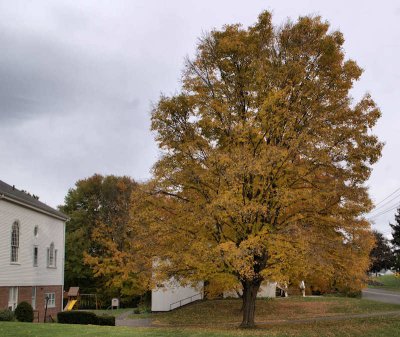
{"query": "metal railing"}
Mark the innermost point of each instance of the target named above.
(187, 300)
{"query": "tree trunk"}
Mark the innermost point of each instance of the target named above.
(250, 289)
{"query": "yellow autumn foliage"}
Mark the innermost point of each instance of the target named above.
(263, 161)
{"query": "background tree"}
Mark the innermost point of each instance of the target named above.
(264, 155)
(396, 240)
(381, 255)
(98, 208)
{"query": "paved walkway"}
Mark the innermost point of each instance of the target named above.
(381, 295)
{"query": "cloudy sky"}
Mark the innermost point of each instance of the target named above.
(78, 78)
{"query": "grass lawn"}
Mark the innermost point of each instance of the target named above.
(390, 282)
(375, 327)
(212, 313)
(219, 318)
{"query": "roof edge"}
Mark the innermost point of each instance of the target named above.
(21, 202)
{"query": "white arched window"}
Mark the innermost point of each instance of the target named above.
(14, 241)
(51, 256)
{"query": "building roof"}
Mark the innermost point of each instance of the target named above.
(31, 201)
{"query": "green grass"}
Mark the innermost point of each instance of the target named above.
(220, 318)
(390, 282)
(217, 312)
(376, 327)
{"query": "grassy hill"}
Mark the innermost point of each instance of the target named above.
(389, 282)
(219, 312)
(295, 317)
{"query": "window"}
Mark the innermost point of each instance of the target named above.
(14, 242)
(34, 298)
(12, 298)
(51, 300)
(51, 256)
(35, 255)
(36, 231)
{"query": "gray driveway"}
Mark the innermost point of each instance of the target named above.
(381, 295)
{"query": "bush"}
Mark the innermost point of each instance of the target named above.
(24, 312)
(144, 308)
(84, 317)
(353, 293)
(6, 316)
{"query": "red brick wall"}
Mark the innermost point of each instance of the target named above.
(25, 294)
(3, 297)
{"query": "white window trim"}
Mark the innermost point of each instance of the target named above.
(52, 300)
(13, 302)
(54, 264)
(15, 246)
(36, 263)
(36, 232)
(34, 295)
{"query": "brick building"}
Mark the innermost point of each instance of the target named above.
(32, 242)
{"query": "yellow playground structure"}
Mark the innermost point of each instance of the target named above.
(73, 297)
(76, 300)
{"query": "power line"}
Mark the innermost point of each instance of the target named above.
(384, 212)
(387, 197)
(384, 204)
(391, 208)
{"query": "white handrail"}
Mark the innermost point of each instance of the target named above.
(190, 298)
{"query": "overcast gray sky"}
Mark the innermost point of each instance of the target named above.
(77, 79)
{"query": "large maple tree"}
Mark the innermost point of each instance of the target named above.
(264, 159)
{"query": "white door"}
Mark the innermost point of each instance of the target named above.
(34, 298)
(13, 298)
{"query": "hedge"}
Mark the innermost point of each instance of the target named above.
(84, 317)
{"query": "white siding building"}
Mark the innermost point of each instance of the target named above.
(172, 295)
(32, 242)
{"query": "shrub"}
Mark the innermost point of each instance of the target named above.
(144, 308)
(84, 317)
(106, 320)
(6, 315)
(354, 293)
(24, 312)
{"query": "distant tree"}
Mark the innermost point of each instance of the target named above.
(98, 208)
(265, 156)
(381, 255)
(396, 240)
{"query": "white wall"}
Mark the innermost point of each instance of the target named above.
(267, 289)
(172, 292)
(163, 297)
(50, 230)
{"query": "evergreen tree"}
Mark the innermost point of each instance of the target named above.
(396, 240)
(381, 255)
